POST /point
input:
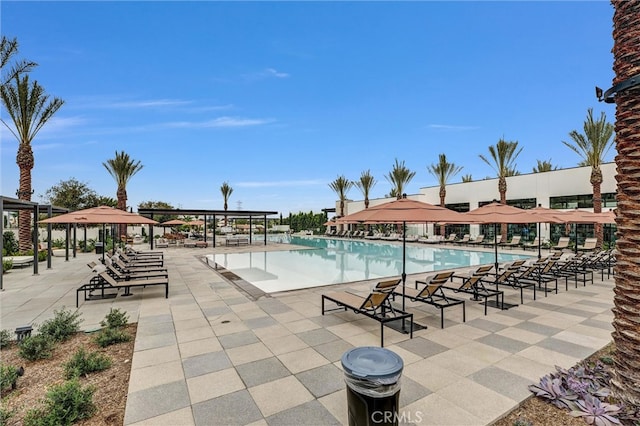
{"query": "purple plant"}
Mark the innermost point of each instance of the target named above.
(552, 389)
(596, 412)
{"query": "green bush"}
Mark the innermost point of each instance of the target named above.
(9, 243)
(64, 404)
(63, 325)
(115, 319)
(6, 265)
(5, 415)
(5, 339)
(8, 376)
(111, 336)
(39, 346)
(83, 363)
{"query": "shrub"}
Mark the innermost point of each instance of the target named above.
(64, 404)
(115, 319)
(5, 339)
(82, 363)
(6, 265)
(9, 243)
(8, 376)
(36, 347)
(63, 325)
(5, 415)
(111, 336)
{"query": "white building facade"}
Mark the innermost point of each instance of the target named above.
(560, 189)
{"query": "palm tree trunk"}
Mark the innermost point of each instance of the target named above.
(502, 188)
(443, 194)
(122, 205)
(596, 182)
(626, 315)
(25, 240)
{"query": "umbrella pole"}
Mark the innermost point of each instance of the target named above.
(495, 246)
(404, 274)
(539, 255)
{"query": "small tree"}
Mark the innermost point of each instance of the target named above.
(544, 166)
(443, 171)
(399, 177)
(226, 191)
(366, 182)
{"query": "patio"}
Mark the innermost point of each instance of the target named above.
(210, 354)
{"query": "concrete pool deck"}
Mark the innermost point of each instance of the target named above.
(212, 355)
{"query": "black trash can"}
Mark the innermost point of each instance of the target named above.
(99, 248)
(372, 375)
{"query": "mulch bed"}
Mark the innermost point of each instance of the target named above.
(111, 385)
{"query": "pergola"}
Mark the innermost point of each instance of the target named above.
(14, 204)
(211, 213)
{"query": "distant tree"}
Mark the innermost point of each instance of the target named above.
(122, 168)
(399, 177)
(593, 146)
(341, 185)
(366, 182)
(71, 194)
(544, 166)
(106, 201)
(443, 171)
(157, 205)
(29, 107)
(8, 49)
(503, 154)
(226, 191)
(467, 178)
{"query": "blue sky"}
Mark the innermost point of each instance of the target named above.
(279, 98)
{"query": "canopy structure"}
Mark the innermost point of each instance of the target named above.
(174, 222)
(14, 204)
(250, 214)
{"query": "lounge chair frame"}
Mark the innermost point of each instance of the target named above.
(432, 294)
(375, 306)
(103, 281)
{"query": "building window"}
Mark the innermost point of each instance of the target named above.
(572, 201)
(459, 207)
(609, 200)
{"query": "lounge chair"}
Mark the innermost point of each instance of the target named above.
(431, 293)
(515, 242)
(539, 241)
(142, 275)
(589, 244)
(477, 240)
(510, 278)
(189, 243)
(103, 281)
(563, 243)
(465, 239)
(162, 243)
(375, 305)
(451, 239)
(133, 269)
(473, 285)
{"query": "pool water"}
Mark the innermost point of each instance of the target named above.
(330, 261)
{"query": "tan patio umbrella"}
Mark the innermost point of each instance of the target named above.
(174, 222)
(195, 223)
(101, 215)
(495, 213)
(581, 216)
(404, 211)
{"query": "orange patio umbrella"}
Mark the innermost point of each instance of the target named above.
(174, 222)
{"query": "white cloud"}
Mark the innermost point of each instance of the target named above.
(151, 103)
(266, 73)
(222, 122)
(272, 72)
(311, 182)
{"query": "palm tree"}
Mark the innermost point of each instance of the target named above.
(122, 168)
(544, 166)
(399, 177)
(226, 191)
(443, 171)
(366, 182)
(29, 107)
(8, 48)
(503, 154)
(467, 178)
(592, 146)
(341, 186)
(626, 33)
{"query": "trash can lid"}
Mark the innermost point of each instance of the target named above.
(372, 362)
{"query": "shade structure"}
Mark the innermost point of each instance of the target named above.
(195, 223)
(173, 222)
(101, 215)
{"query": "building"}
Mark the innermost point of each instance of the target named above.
(560, 189)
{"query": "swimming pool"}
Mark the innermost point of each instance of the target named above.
(332, 261)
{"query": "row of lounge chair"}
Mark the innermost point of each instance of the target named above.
(483, 284)
(124, 270)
